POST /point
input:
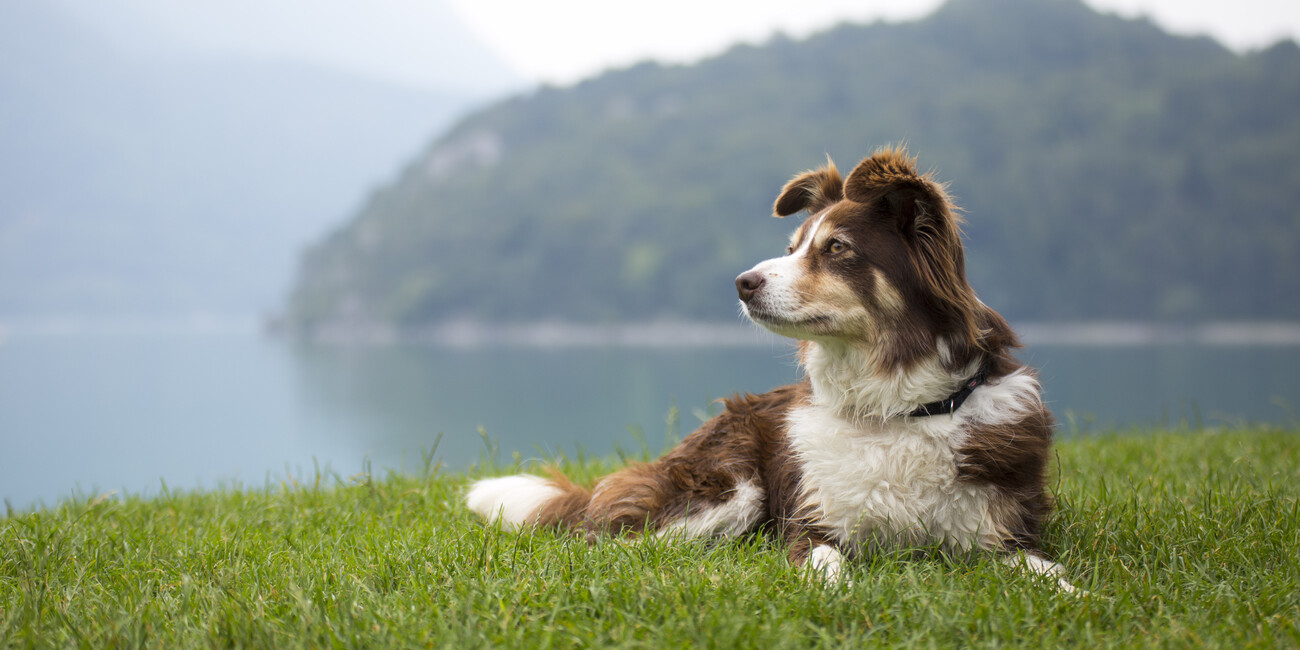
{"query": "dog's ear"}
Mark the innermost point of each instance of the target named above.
(812, 191)
(888, 179)
(889, 184)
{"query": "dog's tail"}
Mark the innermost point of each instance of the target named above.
(524, 499)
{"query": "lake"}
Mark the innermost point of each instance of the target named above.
(82, 414)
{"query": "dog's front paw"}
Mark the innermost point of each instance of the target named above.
(824, 562)
(1042, 566)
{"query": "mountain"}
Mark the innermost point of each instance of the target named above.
(163, 182)
(1108, 170)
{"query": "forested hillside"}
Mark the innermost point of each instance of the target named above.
(1108, 171)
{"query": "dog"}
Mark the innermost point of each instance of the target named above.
(913, 427)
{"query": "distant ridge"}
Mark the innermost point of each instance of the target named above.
(177, 184)
(1109, 171)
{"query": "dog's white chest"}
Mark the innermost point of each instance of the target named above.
(888, 485)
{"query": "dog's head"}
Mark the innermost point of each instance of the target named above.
(879, 262)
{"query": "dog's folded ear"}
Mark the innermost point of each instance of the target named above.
(888, 183)
(890, 176)
(812, 191)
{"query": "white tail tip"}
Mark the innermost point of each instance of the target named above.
(513, 500)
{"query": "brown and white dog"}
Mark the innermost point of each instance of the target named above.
(914, 426)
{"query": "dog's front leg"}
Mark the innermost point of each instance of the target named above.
(824, 560)
(814, 551)
(1036, 563)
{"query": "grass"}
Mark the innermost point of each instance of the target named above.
(1183, 538)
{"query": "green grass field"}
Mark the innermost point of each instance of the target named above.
(1183, 538)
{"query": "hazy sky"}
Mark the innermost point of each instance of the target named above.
(561, 41)
(420, 42)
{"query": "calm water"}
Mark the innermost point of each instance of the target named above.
(86, 414)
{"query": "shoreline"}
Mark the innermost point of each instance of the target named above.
(688, 334)
(665, 334)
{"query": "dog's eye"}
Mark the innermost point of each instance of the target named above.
(789, 250)
(835, 247)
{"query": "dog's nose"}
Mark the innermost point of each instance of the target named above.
(748, 284)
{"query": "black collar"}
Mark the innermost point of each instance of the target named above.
(954, 401)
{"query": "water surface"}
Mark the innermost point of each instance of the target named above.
(82, 414)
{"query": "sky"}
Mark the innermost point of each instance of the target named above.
(438, 44)
(563, 41)
(414, 43)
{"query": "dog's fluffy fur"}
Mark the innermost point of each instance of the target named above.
(873, 286)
